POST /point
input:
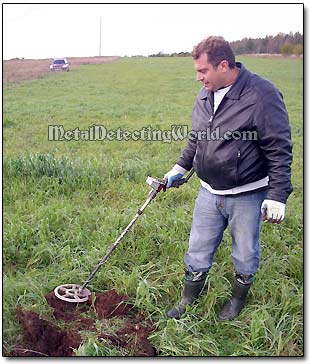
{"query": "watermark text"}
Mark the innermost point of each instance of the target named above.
(147, 133)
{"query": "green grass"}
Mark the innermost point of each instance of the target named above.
(66, 202)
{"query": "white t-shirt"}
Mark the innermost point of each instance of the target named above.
(219, 95)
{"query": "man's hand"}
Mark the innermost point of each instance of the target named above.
(273, 211)
(174, 174)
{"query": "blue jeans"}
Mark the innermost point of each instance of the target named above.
(211, 215)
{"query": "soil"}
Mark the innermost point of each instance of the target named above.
(70, 312)
(44, 338)
(111, 304)
(16, 70)
(135, 337)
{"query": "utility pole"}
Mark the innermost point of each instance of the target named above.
(100, 36)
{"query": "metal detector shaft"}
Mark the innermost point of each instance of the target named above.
(157, 186)
(152, 195)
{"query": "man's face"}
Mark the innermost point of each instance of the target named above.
(212, 78)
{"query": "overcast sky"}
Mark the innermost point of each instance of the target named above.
(57, 30)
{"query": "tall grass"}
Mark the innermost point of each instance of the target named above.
(66, 202)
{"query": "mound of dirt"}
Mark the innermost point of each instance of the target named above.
(70, 312)
(42, 338)
(110, 303)
(134, 338)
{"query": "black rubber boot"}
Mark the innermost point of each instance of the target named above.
(236, 302)
(193, 286)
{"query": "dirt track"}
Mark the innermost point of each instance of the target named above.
(16, 70)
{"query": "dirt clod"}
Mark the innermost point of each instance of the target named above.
(43, 338)
(134, 338)
(110, 303)
(71, 312)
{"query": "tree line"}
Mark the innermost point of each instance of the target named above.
(286, 44)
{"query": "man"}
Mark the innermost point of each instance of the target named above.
(244, 169)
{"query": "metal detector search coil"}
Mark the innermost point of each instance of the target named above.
(72, 293)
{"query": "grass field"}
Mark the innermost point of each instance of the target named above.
(17, 70)
(65, 202)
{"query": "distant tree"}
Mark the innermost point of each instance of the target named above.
(159, 54)
(298, 49)
(250, 45)
(263, 42)
(184, 54)
(281, 43)
(298, 38)
(287, 49)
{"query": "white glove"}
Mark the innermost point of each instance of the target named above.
(273, 211)
(174, 174)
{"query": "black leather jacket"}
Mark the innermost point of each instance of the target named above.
(252, 105)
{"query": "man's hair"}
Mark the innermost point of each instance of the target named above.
(217, 50)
